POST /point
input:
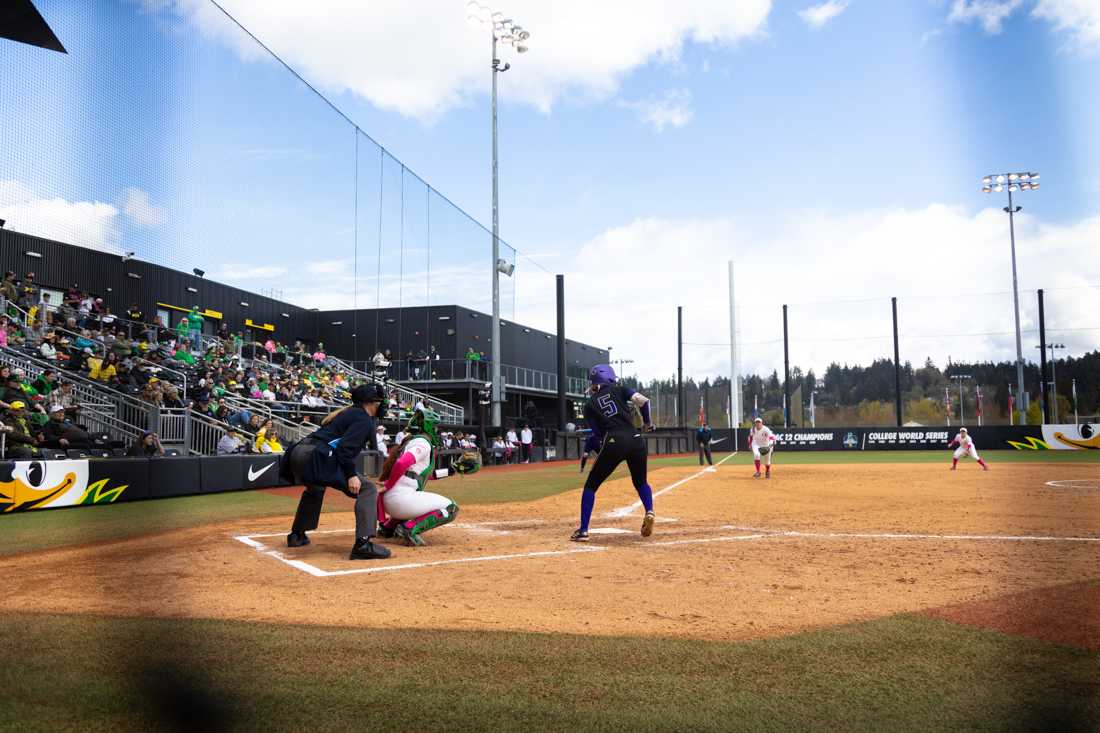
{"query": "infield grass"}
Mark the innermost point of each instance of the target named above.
(903, 673)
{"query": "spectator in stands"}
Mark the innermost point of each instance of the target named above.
(9, 294)
(380, 440)
(195, 321)
(134, 313)
(65, 397)
(60, 433)
(319, 355)
(22, 437)
(171, 396)
(28, 292)
(12, 392)
(47, 311)
(5, 325)
(183, 354)
(231, 442)
(45, 383)
(103, 370)
(472, 355)
(267, 440)
(107, 318)
(47, 348)
(147, 446)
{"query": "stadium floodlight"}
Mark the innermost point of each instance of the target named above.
(503, 31)
(1015, 185)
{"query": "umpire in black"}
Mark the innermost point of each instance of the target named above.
(327, 458)
(702, 438)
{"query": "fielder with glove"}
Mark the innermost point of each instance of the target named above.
(761, 441)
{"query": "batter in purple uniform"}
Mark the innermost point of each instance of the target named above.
(609, 413)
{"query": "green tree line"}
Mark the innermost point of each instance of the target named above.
(864, 395)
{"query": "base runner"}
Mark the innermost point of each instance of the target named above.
(966, 448)
(762, 441)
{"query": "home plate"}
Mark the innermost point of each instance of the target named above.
(609, 530)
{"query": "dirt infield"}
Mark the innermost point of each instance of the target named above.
(732, 558)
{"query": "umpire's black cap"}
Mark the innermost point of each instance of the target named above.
(365, 393)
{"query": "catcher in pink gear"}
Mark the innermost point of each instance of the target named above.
(411, 510)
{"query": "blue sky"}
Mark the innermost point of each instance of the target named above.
(640, 151)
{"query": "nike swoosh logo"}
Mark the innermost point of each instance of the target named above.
(253, 475)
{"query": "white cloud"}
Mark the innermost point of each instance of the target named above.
(838, 274)
(670, 109)
(91, 224)
(140, 210)
(990, 13)
(1079, 18)
(816, 16)
(422, 58)
(330, 267)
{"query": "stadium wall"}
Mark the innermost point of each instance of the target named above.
(994, 437)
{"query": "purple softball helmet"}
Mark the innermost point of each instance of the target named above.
(602, 374)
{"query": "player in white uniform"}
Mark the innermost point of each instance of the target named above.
(762, 442)
(966, 448)
(411, 510)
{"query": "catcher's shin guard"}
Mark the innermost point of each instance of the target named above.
(411, 529)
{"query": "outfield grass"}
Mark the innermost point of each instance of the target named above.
(898, 674)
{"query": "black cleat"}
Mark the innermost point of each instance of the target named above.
(297, 539)
(579, 536)
(386, 531)
(367, 550)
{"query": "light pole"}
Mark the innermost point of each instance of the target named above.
(1053, 381)
(506, 31)
(959, 378)
(998, 182)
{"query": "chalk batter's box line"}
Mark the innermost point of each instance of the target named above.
(251, 541)
(320, 573)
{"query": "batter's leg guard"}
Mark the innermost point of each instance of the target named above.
(411, 529)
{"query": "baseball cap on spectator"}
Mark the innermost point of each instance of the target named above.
(56, 408)
(17, 405)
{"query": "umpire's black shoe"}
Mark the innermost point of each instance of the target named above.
(367, 550)
(297, 539)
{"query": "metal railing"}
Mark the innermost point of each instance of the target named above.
(449, 412)
(117, 414)
(446, 370)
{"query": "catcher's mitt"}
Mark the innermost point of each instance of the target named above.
(765, 450)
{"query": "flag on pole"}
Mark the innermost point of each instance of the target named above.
(1011, 404)
(702, 412)
(755, 409)
(947, 403)
(978, 393)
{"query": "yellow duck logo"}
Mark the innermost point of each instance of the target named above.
(1088, 441)
(31, 484)
(26, 485)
